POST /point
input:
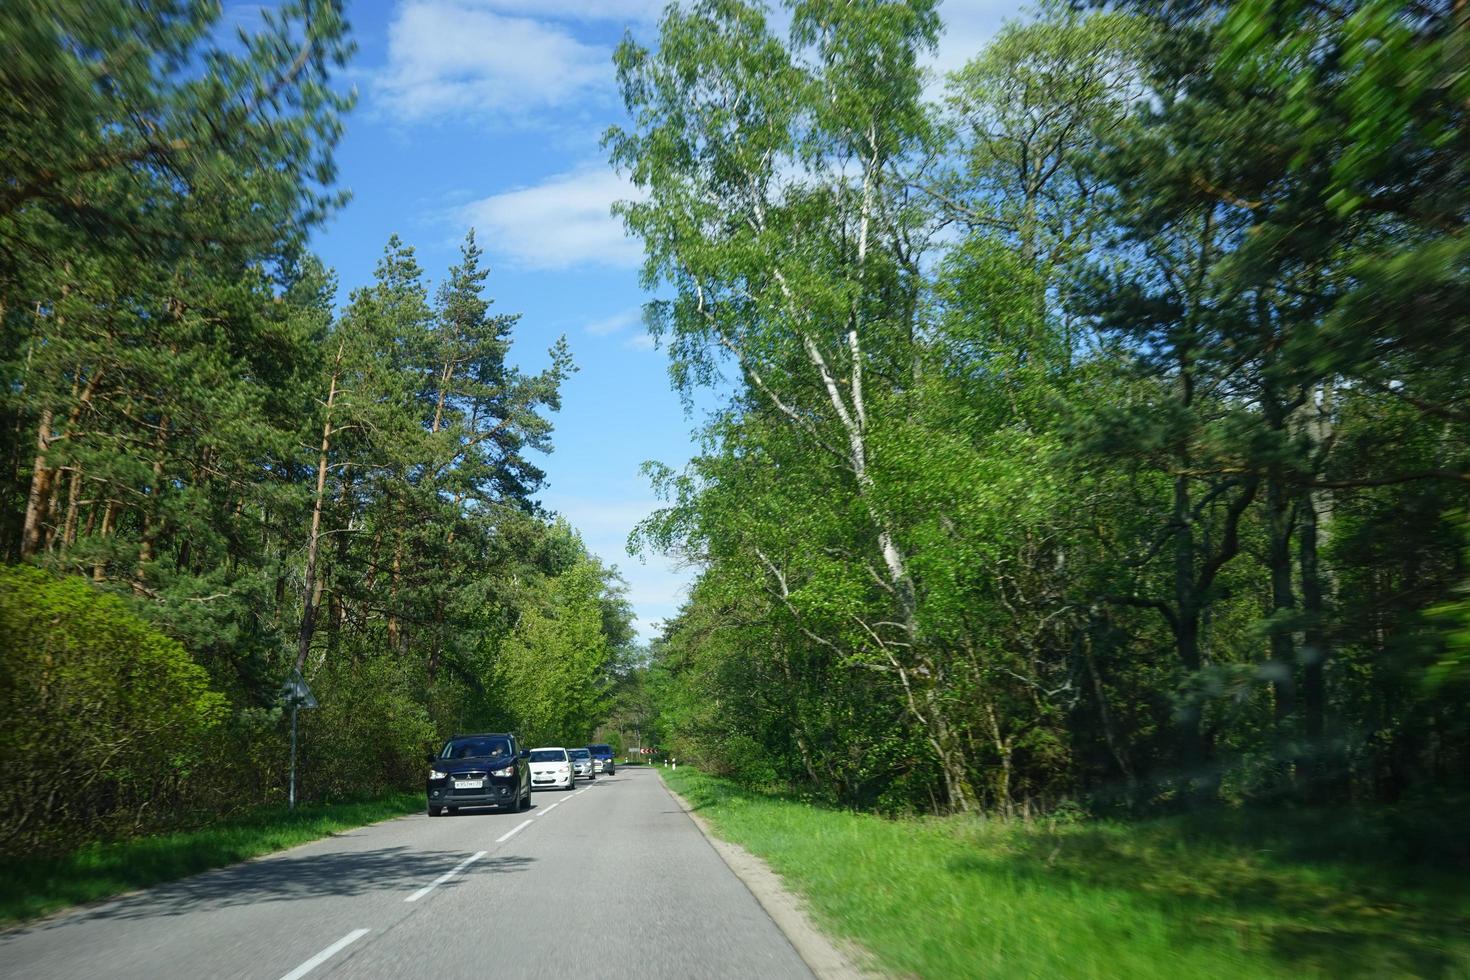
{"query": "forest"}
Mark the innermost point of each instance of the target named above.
(1095, 427)
(217, 470)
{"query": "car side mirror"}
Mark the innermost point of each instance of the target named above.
(429, 758)
(525, 753)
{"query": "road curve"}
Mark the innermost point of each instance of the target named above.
(610, 880)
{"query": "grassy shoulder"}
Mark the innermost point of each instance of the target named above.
(1230, 895)
(31, 888)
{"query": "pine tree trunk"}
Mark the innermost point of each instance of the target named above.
(309, 589)
(49, 530)
(1199, 784)
(1279, 565)
(336, 607)
(334, 623)
(1321, 765)
(109, 517)
(1194, 749)
(1316, 649)
(446, 374)
(41, 501)
(395, 573)
(73, 503)
(150, 519)
(313, 540)
(39, 497)
(435, 640)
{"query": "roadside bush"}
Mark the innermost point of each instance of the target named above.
(101, 717)
(370, 733)
(744, 760)
(246, 760)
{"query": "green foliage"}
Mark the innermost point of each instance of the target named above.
(1454, 666)
(549, 667)
(369, 734)
(104, 716)
(1091, 438)
(192, 426)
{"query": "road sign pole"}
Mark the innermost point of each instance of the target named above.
(295, 693)
(292, 799)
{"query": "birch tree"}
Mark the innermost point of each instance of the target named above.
(774, 213)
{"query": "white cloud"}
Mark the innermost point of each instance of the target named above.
(454, 56)
(616, 323)
(640, 341)
(515, 58)
(563, 221)
(626, 10)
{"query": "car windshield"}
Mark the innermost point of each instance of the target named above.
(600, 749)
(549, 755)
(475, 748)
(581, 754)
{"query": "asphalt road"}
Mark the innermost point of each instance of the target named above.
(611, 880)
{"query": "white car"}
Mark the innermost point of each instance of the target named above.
(551, 768)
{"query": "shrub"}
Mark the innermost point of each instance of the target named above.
(101, 716)
(369, 735)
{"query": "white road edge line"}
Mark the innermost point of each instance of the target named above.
(512, 832)
(326, 954)
(549, 809)
(445, 877)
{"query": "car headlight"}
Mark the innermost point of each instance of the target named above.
(509, 770)
(436, 774)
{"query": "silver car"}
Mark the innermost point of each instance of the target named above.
(582, 763)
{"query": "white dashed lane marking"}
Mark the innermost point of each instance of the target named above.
(446, 876)
(326, 954)
(512, 832)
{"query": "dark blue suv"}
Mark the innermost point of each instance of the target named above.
(479, 770)
(602, 759)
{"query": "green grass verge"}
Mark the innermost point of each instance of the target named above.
(31, 888)
(1229, 895)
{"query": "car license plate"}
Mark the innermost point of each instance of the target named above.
(469, 784)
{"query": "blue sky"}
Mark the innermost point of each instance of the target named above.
(489, 113)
